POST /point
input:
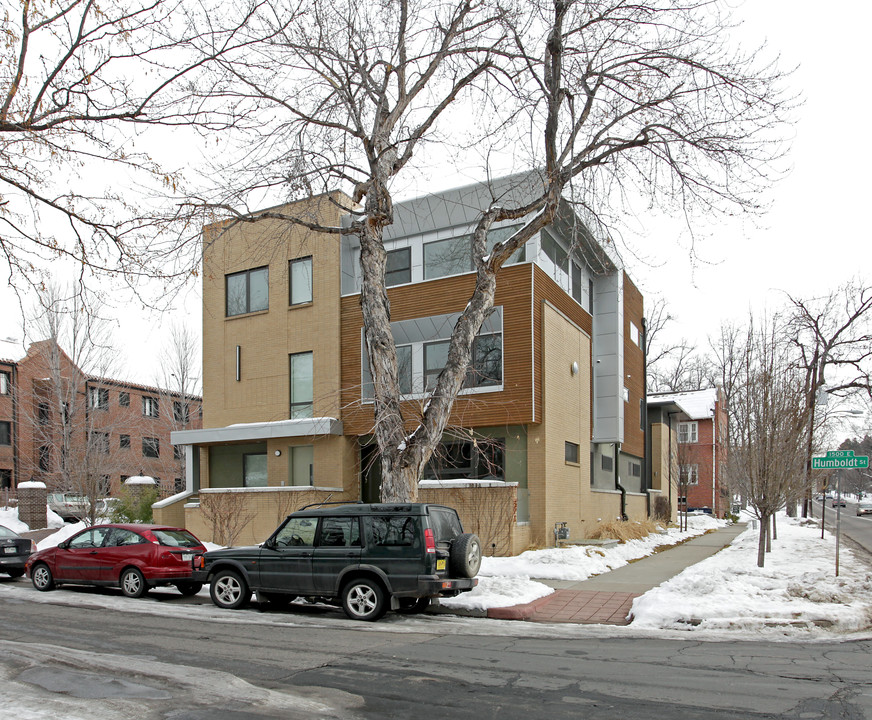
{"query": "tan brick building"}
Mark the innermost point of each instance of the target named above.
(550, 427)
(76, 432)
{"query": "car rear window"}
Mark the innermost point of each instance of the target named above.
(176, 538)
(445, 524)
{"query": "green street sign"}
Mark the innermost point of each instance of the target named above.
(840, 460)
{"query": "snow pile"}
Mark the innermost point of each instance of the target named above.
(9, 518)
(506, 581)
(796, 590)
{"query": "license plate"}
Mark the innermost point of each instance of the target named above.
(440, 564)
(9, 550)
(187, 557)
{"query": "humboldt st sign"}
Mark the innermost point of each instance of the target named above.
(839, 460)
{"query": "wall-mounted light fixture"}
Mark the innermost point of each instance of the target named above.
(278, 453)
(574, 368)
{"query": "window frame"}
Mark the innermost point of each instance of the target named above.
(150, 406)
(568, 448)
(405, 269)
(124, 442)
(150, 443)
(691, 473)
(98, 398)
(5, 382)
(123, 399)
(294, 406)
(247, 274)
(302, 261)
(689, 437)
(6, 425)
(181, 412)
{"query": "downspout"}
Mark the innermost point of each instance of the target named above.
(618, 485)
(714, 460)
(15, 447)
(646, 426)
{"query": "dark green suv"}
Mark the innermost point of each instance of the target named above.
(367, 557)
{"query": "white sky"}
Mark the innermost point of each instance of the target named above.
(813, 239)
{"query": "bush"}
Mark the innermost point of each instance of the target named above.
(623, 530)
(134, 506)
(662, 509)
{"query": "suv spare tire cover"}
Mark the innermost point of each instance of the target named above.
(465, 558)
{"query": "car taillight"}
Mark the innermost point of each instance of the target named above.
(429, 541)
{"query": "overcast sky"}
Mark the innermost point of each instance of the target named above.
(813, 239)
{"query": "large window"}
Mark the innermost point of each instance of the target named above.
(301, 459)
(5, 432)
(461, 459)
(150, 407)
(300, 280)
(247, 291)
(254, 470)
(98, 398)
(687, 432)
(302, 383)
(448, 257)
(150, 447)
(486, 367)
(399, 267)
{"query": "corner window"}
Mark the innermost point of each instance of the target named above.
(300, 281)
(150, 447)
(571, 452)
(150, 407)
(5, 383)
(5, 433)
(302, 383)
(398, 269)
(687, 432)
(301, 463)
(98, 398)
(247, 291)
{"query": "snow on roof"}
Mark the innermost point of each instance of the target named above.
(696, 404)
(140, 480)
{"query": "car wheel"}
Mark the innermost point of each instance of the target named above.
(465, 558)
(189, 588)
(279, 600)
(133, 583)
(228, 590)
(42, 578)
(363, 599)
(413, 606)
(15, 573)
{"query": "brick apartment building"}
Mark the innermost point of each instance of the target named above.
(699, 452)
(76, 432)
(549, 428)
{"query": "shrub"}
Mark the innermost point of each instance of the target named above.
(662, 509)
(622, 530)
(134, 506)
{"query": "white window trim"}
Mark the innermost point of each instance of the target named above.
(693, 432)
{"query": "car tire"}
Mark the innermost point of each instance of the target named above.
(189, 588)
(364, 599)
(19, 573)
(465, 558)
(133, 583)
(229, 590)
(42, 578)
(413, 606)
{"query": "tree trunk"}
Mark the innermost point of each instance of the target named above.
(761, 541)
(774, 532)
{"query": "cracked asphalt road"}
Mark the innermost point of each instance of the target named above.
(60, 660)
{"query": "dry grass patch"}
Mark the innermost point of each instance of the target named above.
(623, 530)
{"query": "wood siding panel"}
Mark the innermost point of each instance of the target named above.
(511, 406)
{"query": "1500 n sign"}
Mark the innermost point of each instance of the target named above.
(840, 460)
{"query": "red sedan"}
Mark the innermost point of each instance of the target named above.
(131, 556)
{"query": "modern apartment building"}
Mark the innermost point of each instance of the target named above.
(74, 431)
(549, 428)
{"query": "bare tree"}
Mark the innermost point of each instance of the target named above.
(768, 424)
(227, 514)
(80, 81)
(605, 98)
(67, 414)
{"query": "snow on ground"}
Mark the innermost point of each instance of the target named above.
(9, 518)
(507, 581)
(796, 591)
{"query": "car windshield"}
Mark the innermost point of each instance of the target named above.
(176, 538)
(5, 532)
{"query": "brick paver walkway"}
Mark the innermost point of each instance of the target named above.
(585, 606)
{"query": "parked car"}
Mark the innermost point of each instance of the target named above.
(864, 508)
(14, 551)
(366, 557)
(132, 556)
(839, 502)
(69, 506)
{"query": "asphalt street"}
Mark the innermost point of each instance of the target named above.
(60, 659)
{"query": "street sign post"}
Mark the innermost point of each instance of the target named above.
(838, 460)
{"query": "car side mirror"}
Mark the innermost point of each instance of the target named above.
(64, 545)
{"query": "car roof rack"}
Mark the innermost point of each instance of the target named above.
(334, 502)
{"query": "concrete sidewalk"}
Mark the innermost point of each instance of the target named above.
(607, 598)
